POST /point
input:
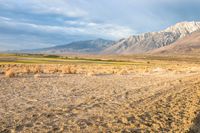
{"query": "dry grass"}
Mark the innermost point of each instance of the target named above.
(37, 69)
(9, 73)
(154, 96)
(68, 70)
(36, 75)
(155, 102)
(96, 69)
(91, 74)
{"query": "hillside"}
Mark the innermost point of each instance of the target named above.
(88, 47)
(152, 40)
(189, 45)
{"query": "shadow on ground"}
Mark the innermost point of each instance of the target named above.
(196, 127)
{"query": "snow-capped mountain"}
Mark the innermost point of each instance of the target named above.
(152, 40)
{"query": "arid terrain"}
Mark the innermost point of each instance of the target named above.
(141, 95)
(189, 45)
(99, 66)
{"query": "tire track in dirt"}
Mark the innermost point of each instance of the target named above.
(98, 104)
(173, 110)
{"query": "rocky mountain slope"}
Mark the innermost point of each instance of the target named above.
(89, 46)
(152, 40)
(188, 45)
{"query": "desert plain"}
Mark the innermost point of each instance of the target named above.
(128, 94)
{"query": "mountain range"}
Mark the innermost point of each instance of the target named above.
(189, 45)
(143, 43)
(169, 39)
(83, 47)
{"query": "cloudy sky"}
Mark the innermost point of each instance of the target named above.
(26, 24)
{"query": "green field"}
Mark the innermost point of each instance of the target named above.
(53, 59)
(140, 60)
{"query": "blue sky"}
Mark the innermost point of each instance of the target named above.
(27, 24)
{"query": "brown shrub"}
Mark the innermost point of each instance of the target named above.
(91, 74)
(68, 70)
(36, 76)
(122, 72)
(9, 73)
(52, 70)
(25, 70)
(37, 69)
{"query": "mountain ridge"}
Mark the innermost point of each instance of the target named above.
(189, 45)
(145, 42)
(135, 44)
(83, 47)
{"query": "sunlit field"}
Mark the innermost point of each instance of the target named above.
(47, 93)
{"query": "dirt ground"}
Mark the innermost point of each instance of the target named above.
(147, 102)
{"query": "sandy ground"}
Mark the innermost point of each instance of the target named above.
(151, 102)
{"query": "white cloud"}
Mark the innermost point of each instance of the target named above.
(83, 26)
(112, 31)
(62, 21)
(59, 7)
(5, 18)
(75, 23)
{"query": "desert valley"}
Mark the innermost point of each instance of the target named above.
(108, 66)
(157, 90)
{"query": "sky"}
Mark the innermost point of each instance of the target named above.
(30, 24)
